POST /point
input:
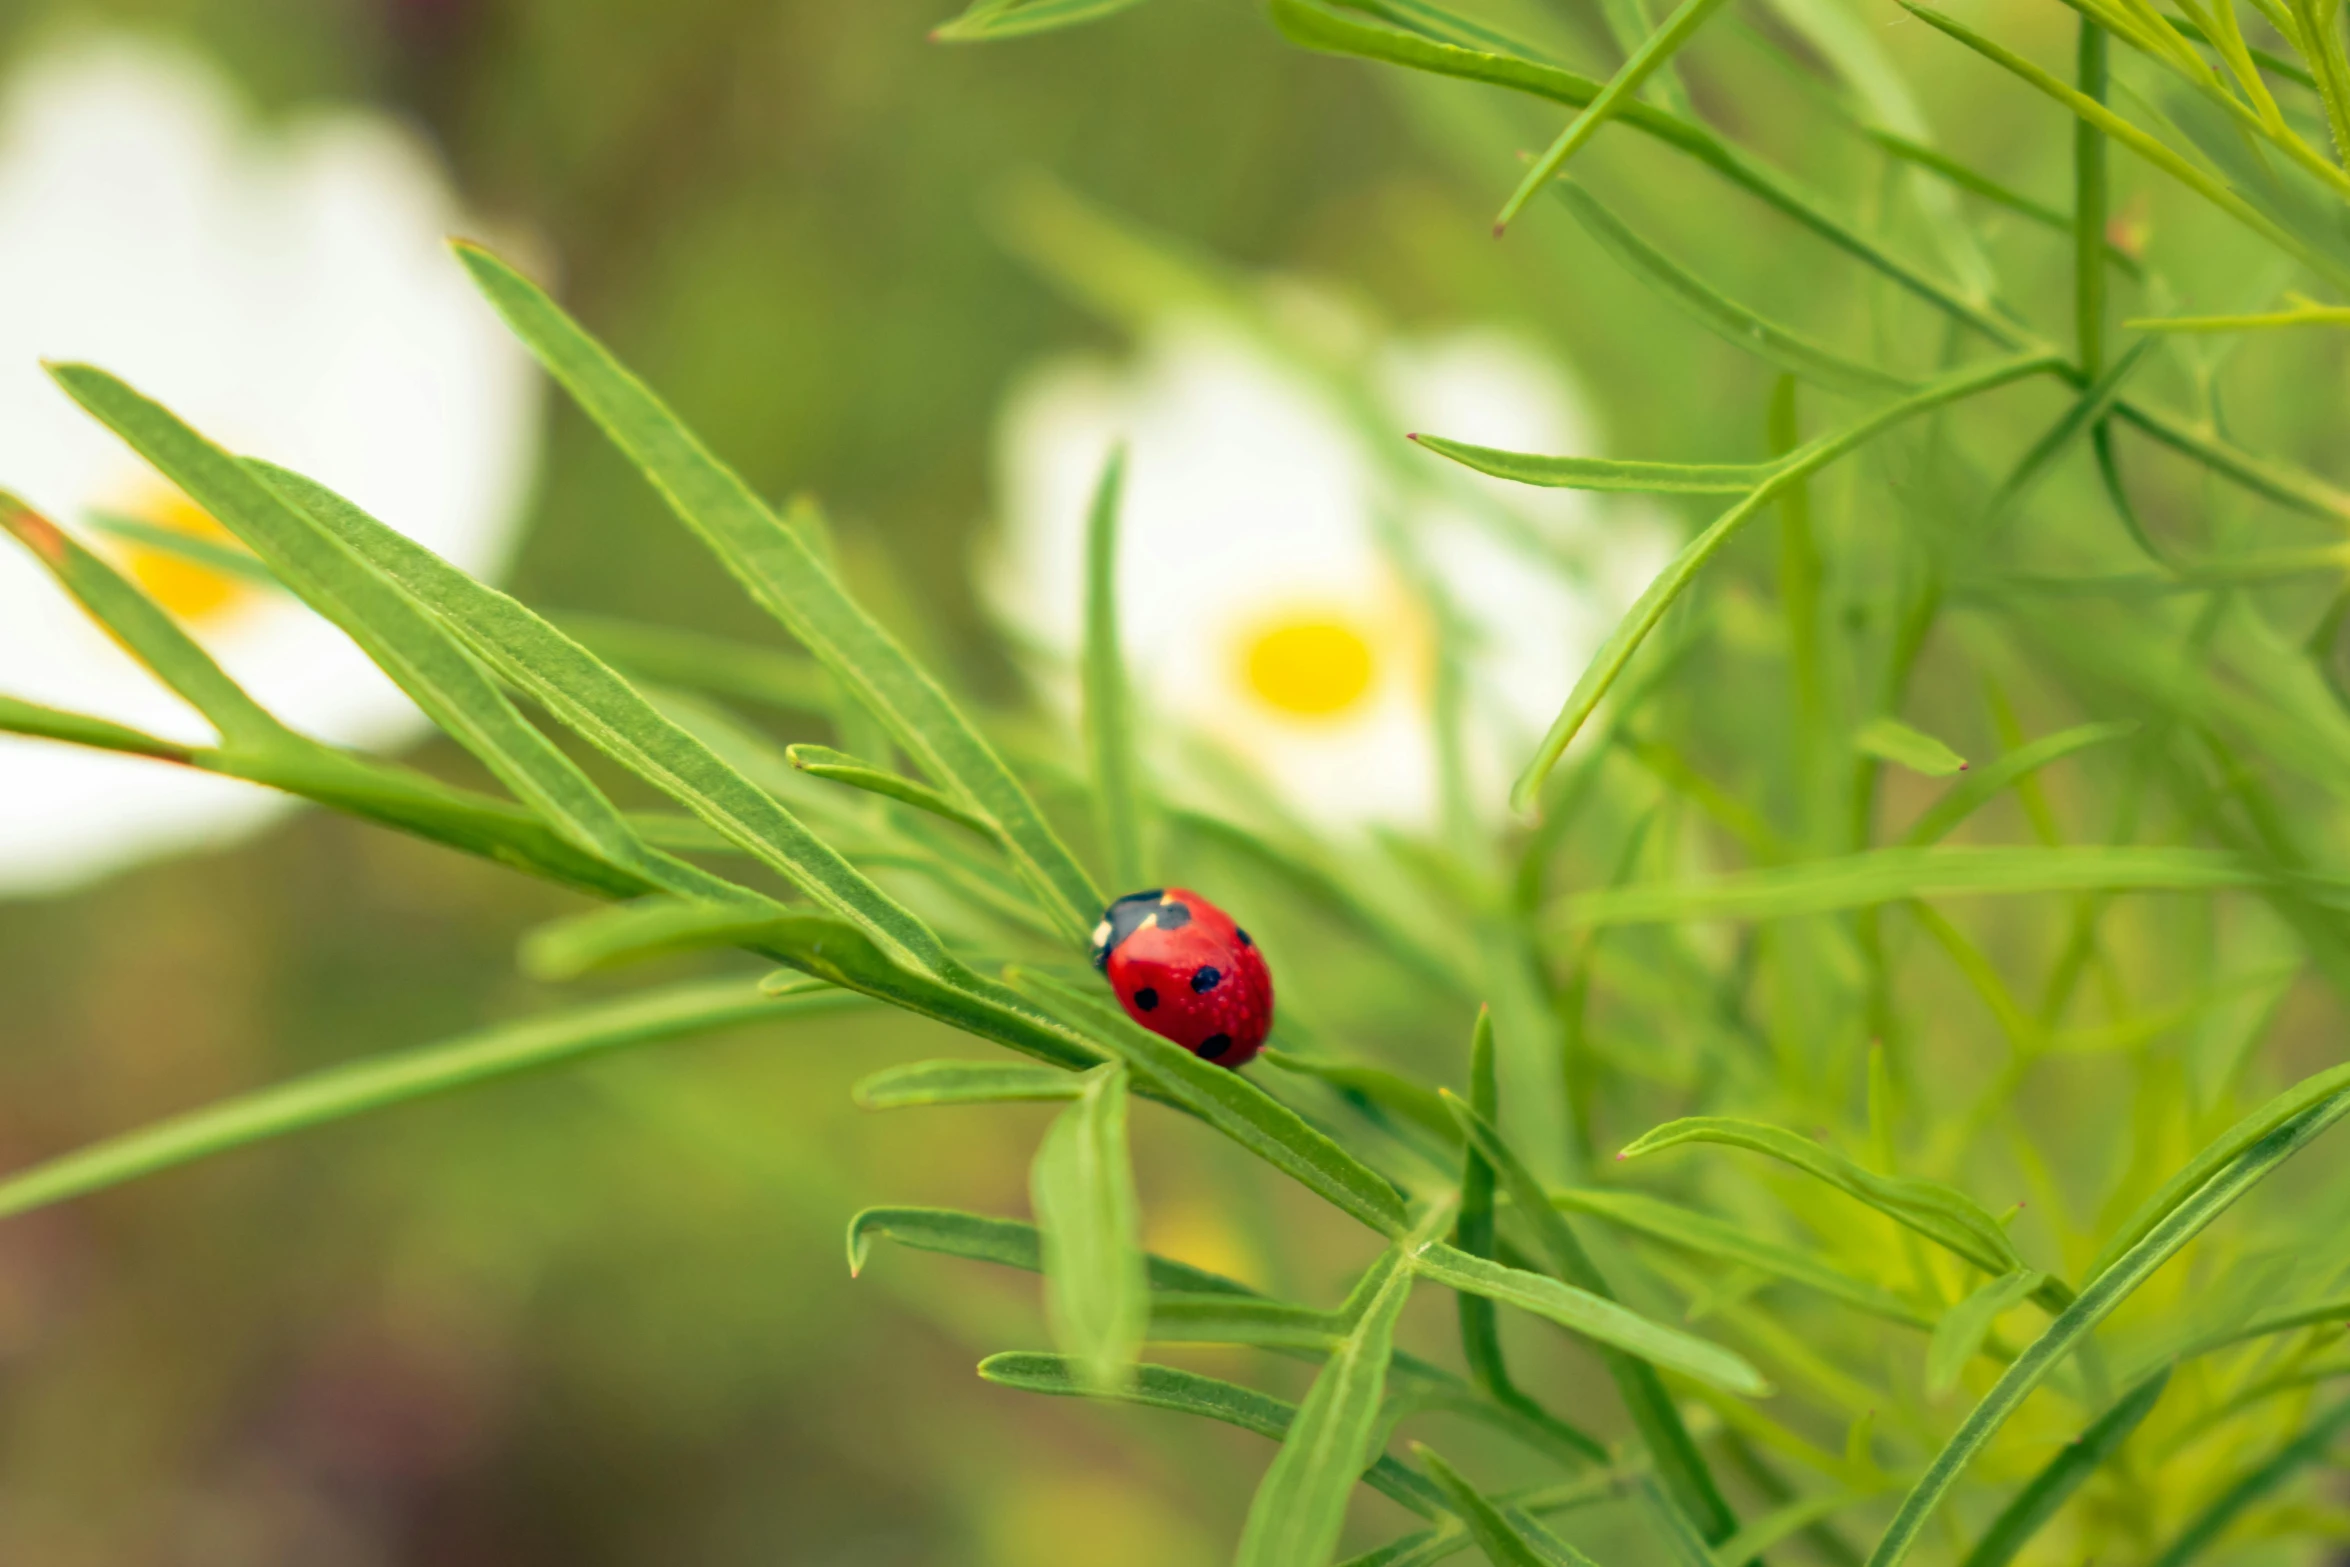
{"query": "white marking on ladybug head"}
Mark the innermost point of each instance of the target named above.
(1101, 934)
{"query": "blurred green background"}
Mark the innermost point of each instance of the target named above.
(602, 1317)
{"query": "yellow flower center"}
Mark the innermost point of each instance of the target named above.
(1309, 668)
(184, 585)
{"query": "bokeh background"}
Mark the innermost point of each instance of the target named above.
(602, 1317)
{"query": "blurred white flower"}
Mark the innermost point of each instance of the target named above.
(286, 291)
(1259, 588)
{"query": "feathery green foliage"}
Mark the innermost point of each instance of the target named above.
(1755, 899)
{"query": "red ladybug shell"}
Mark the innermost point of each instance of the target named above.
(1184, 971)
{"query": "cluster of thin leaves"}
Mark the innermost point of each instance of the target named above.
(2184, 1432)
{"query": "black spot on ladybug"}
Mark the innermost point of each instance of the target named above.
(1243, 935)
(1123, 918)
(1147, 999)
(1213, 1047)
(1173, 915)
(1206, 979)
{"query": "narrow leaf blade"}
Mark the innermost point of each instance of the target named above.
(776, 566)
(1109, 719)
(964, 1083)
(2097, 1300)
(1593, 1317)
(1891, 740)
(1964, 1326)
(1300, 1506)
(2048, 1490)
(1008, 1243)
(1089, 1220)
(1232, 1104)
(1945, 1216)
(401, 1076)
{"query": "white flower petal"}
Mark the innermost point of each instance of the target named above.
(289, 294)
(1251, 496)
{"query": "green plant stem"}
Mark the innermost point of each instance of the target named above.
(396, 1078)
(1337, 25)
(1608, 663)
(2306, 1449)
(2105, 1292)
(1799, 600)
(2089, 204)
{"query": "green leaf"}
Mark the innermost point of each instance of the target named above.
(402, 640)
(1449, 26)
(1187, 1392)
(1300, 1505)
(692, 661)
(1749, 1543)
(963, 1083)
(1891, 740)
(1007, 1242)
(1593, 1317)
(1960, 1333)
(1851, 49)
(1231, 1319)
(595, 702)
(599, 939)
(1512, 1413)
(2317, 1313)
(1659, 47)
(1417, 1549)
(1390, 1091)
(1088, 1220)
(1230, 1103)
(99, 734)
(1703, 1233)
(1889, 875)
(2222, 1151)
(835, 950)
(1602, 473)
(2264, 321)
(1319, 25)
(381, 792)
(776, 566)
(1690, 1485)
(1933, 160)
(2106, 1291)
(401, 1076)
(2086, 416)
(2205, 1528)
(2275, 64)
(1949, 1218)
(152, 636)
(1506, 1541)
(992, 19)
(1710, 308)
(1988, 782)
(822, 761)
(1474, 1225)
(1109, 719)
(2281, 482)
(227, 560)
(1687, 1546)
(2048, 1490)
(2144, 145)
(1599, 676)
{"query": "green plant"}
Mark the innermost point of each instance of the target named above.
(2180, 677)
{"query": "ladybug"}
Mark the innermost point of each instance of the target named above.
(1184, 971)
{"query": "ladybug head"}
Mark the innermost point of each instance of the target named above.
(1130, 914)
